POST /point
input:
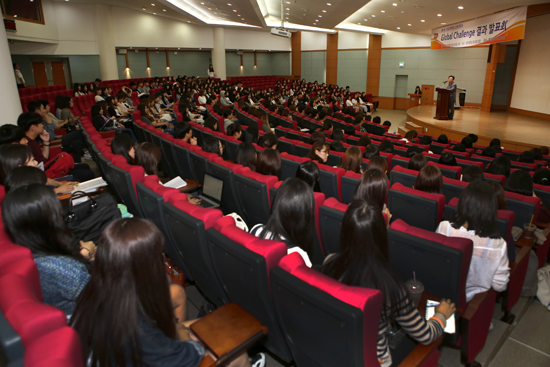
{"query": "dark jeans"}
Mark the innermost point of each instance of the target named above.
(73, 142)
(451, 108)
(82, 172)
(19, 86)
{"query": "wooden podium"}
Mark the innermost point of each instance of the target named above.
(442, 110)
(414, 99)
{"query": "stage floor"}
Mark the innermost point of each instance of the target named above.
(517, 132)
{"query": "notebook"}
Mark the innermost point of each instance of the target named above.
(211, 192)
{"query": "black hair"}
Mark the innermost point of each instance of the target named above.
(527, 157)
(211, 144)
(309, 173)
(520, 182)
(473, 137)
(246, 155)
(472, 173)
(12, 156)
(292, 215)
(373, 186)
(363, 260)
(10, 134)
(500, 166)
(28, 119)
(489, 152)
(95, 110)
(22, 176)
(269, 162)
(447, 159)
(211, 123)
(338, 135)
(32, 106)
(371, 151)
(364, 141)
(337, 146)
(376, 120)
(122, 144)
(268, 140)
(478, 207)
(459, 148)
(426, 140)
(181, 129)
(386, 146)
(417, 162)
(443, 139)
(467, 142)
(542, 177)
(413, 150)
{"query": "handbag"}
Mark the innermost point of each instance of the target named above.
(59, 166)
(88, 219)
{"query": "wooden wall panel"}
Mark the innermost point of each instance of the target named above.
(490, 73)
(332, 59)
(296, 44)
(373, 65)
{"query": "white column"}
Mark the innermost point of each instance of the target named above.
(10, 104)
(218, 53)
(106, 42)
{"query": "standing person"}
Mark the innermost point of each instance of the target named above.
(452, 97)
(417, 90)
(18, 76)
(210, 71)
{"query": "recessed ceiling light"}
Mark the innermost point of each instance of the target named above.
(329, 4)
(324, 11)
(443, 23)
(359, 23)
(286, 18)
(152, 4)
(235, 10)
(228, 4)
(288, 2)
(238, 15)
(242, 18)
(154, 13)
(398, 27)
(422, 20)
(382, 11)
(374, 16)
(15, 16)
(187, 22)
(287, 13)
(287, 8)
(163, 9)
(394, 4)
(410, 25)
(366, 20)
(320, 16)
(144, 9)
(202, 3)
(209, 8)
(461, 7)
(215, 13)
(439, 15)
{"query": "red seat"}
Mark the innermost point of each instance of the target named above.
(453, 172)
(330, 180)
(253, 192)
(349, 183)
(60, 348)
(404, 176)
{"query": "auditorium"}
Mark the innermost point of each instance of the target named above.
(274, 183)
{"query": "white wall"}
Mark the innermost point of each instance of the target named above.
(531, 91)
(352, 40)
(314, 41)
(249, 39)
(392, 39)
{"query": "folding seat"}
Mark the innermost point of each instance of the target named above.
(525, 166)
(24, 310)
(401, 151)
(400, 161)
(253, 190)
(242, 263)
(415, 207)
(60, 348)
(512, 154)
(125, 178)
(286, 145)
(289, 165)
(500, 179)
(349, 183)
(523, 206)
(327, 323)
(331, 214)
(405, 176)
(335, 158)
(330, 181)
(466, 163)
(294, 135)
(187, 224)
(452, 172)
(462, 155)
(485, 160)
(432, 157)
(438, 148)
(169, 166)
(453, 188)
(424, 147)
(199, 162)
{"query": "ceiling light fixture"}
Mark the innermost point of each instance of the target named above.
(410, 25)
(374, 16)
(324, 11)
(15, 16)
(154, 13)
(163, 9)
(287, 8)
(228, 4)
(394, 4)
(235, 10)
(439, 15)
(382, 11)
(152, 4)
(461, 7)
(398, 27)
(359, 23)
(422, 20)
(329, 4)
(320, 16)
(443, 23)
(144, 9)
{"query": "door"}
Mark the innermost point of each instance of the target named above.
(40, 75)
(58, 73)
(428, 94)
(401, 100)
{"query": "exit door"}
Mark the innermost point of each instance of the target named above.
(58, 73)
(40, 75)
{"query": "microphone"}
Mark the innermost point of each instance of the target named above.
(445, 82)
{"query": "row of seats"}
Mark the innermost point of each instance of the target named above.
(35, 90)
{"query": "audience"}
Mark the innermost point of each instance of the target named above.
(309, 173)
(472, 173)
(417, 162)
(429, 180)
(269, 163)
(500, 166)
(124, 145)
(319, 152)
(246, 156)
(373, 188)
(353, 160)
(476, 219)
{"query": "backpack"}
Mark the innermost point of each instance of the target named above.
(59, 166)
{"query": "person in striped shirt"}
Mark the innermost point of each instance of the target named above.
(363, 262)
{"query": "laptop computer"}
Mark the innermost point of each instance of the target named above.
(211, 192)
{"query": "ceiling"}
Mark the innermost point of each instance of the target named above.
(410, 16)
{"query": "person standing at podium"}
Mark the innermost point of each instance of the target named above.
(452, 97)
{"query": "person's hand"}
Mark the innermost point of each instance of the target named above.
(64, 188)
(446, 308)
(47, 118)
(122, 126)
(195, 201)
(387, 212)
(45, 136)
(193, 141)
(88, 249)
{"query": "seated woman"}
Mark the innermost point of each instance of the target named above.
(379, 163)
(124, 145)
(309, 173)
(33, 218)
(447, 159)
(373, 187)
(269, 163)
(319, 152)
(23, 176)
(246, 156)
(18, 155)
(77, 90)
(500, 166)
(148, 117)
(542, 177)
(212, 144)
(476, 219)
(147, 155)
(429, 180)
(211, 123)
(417, 162)
(292, 219)
(353, 160)
(371, 151)
(235, 130)
(410, 136)
(66, 114)
(140, 298)
(184, 131)
(268, 140)
(472, 173)
(520, 182)
(363, 262)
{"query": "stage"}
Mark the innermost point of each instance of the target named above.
(516, 132)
